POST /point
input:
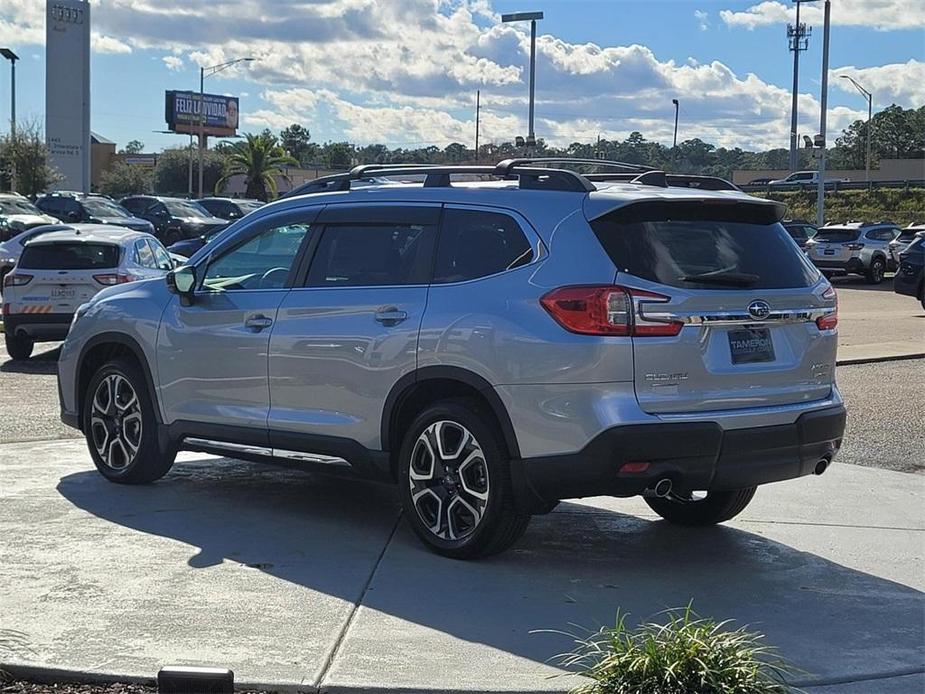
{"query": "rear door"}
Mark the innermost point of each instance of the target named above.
(65, 274)
(741, 297)
(833, 244)
(345, 337)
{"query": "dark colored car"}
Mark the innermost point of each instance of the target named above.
(230, 208)
(800, 230)
(910, 277)
(90, 209)
(187, 247)
(174, 219)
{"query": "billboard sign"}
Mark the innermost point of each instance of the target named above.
(67, 91)
(220, 114)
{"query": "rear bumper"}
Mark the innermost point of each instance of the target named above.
(853, 265)
(693, 455)
(41, 327)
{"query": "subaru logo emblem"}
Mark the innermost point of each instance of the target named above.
(759, 309)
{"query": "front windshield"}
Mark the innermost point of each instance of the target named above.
(186, 208)
(8, 206)
(98, 207)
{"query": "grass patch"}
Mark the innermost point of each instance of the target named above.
(901, 205)
(682, 654)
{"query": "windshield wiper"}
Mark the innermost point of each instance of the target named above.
(732, 279)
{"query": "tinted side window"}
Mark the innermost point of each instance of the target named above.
(367, 255)
(262, 262)
(133, 205)
(161, 257)
(143, 254)
(51, 205)
(475, 243)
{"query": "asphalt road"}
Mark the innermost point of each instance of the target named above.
(886, 405)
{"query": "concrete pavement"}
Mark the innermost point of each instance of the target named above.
(312, 582)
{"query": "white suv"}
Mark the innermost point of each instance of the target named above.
(60, 270)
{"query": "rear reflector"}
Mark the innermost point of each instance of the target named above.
(634, 467)
(606, 310)
(16, 279)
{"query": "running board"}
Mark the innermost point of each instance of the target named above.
(266, 452)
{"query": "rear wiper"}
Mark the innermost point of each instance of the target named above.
(733, 279)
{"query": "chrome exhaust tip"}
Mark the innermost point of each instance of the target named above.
(660, 489)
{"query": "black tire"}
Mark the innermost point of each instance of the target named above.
(484, 526)
(171, 236)
(19, 347)
(876, 270)
(716, 507)
(142, 459)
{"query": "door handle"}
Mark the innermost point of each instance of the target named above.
(390, 315)
(258, 322)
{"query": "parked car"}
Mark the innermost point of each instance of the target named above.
(805, 178)
(800, 231)
(901, 242)
(18, 215)
(174, 219)
(859, 248)
(230, 208)
(11, 250)
(73, 208)
(188, 247)
(910, 277)
(492, 347)
(60, 270)
(760, 181)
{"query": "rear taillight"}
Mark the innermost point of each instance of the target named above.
(607, 310)
(16, 279)
(854, 246)
(829, 321)
(113, 278)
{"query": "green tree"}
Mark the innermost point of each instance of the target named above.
(134, 147)
(123, 179)
(297, 141)
(260, 159)
(28, 153)
(337, 155)
(171, 175)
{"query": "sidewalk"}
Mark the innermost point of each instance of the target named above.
(311, 583)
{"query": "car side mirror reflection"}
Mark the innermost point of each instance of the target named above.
(182, 281)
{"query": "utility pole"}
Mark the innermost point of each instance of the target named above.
(820, 192)
(478, 93)
(12, 57)
(532, 17)
(798, 36)
(870, 116)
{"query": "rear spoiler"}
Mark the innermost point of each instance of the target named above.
(719, 207)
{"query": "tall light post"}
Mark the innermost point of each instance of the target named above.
(870, 114)
(211, 70)
(798, 37)
(532, 17)
(677, 108)
(820, 191)
(12, 57)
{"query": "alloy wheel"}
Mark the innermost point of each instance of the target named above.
(449, 483)
(115, 422)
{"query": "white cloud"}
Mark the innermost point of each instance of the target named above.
(900, 83)
(100, 43)
(884, 15)
(173, 62)
(703, 19)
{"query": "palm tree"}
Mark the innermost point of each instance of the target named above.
(260, 159)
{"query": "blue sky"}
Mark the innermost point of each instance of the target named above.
(405, 72)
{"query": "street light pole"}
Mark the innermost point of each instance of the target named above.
(820, 191)
(677, 107)
(532, 17)
(870, 113)
(797, 35)
(213, 69)
(12, 57)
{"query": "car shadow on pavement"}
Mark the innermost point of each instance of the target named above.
(859, 282)
(575, 566)
(43, 363)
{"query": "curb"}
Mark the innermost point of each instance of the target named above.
(852, 361)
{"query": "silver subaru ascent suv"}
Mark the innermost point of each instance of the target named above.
(493, 339)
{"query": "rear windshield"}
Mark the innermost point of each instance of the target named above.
(907, 234)
(688, 245)
(836, 235)
(69, 256)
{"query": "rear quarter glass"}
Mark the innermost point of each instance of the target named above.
(667, 242)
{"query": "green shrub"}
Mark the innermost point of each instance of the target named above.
(900, 205)
(684, 655)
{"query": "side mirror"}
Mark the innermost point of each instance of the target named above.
(182, 281)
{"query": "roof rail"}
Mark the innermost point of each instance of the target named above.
(535, 178)
(507, 164)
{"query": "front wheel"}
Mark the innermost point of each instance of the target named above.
(876, 271)
(715, 507)
(19, 347)
(120, 426)
(455, 482)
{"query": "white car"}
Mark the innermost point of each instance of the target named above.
(12, 249)
(804, 178)
(60, 270)
(897, 245)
